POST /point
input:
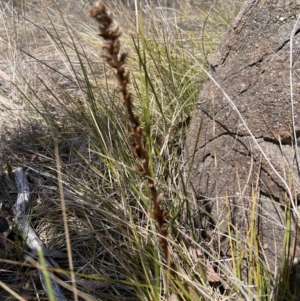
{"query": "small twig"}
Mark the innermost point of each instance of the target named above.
(111, 53)
(28, 234)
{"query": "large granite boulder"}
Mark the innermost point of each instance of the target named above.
(225, 167)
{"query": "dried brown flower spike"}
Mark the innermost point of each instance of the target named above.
(111, 34)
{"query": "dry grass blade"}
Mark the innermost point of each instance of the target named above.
(12, 292)
(64, 215)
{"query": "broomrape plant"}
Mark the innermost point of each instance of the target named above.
(111, 53)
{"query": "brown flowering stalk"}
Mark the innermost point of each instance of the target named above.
(111, 49)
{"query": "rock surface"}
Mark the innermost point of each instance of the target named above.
(224, 165)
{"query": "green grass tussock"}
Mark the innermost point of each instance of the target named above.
(93, 168)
